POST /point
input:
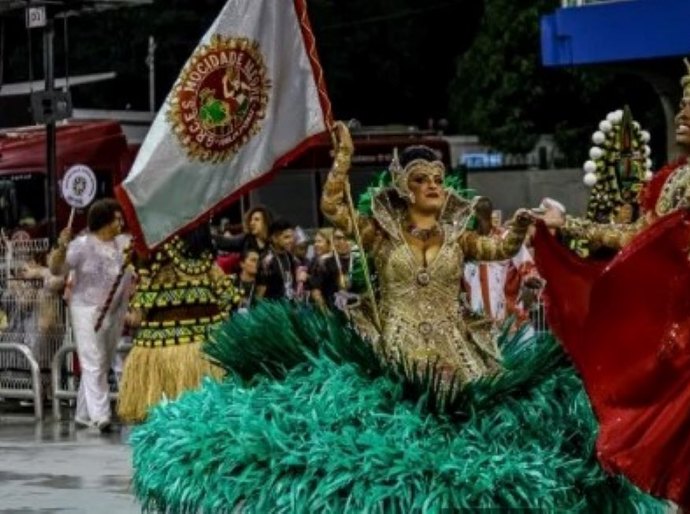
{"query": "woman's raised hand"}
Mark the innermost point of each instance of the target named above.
(343, 139)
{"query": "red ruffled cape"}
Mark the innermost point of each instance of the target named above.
(626, 325)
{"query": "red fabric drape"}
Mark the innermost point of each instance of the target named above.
(569, 281)
(627, 328)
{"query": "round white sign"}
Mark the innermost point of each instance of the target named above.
(79, 186)
(21, 235)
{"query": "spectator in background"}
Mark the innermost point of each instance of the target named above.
(99, 290)
(333, 278)
(301, 254)
(496, 289)
(245, 280)
(322, 242)
(301, 249)
(255, 236)
(44, 289)
(278, 272)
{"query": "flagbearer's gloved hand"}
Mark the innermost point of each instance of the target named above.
(343, 148)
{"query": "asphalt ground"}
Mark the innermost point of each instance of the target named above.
(53, 467)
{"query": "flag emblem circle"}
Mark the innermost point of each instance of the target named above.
(219, 101)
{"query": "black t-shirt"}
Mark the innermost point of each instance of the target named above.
(240, 243)
(327, 276)
(276, 273)
(247, 291)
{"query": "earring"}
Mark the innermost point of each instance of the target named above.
(412, 198)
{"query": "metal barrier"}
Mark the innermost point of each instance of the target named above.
(65, 383)
(32, 321)
(12, 385)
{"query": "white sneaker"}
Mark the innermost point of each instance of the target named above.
(82, 423)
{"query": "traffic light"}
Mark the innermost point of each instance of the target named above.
(51, 106)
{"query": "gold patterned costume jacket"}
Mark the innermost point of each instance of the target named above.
(419, 307)
(181, 300)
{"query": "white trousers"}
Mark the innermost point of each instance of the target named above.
(95, 350)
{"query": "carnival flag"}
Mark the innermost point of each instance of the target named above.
(249, 99)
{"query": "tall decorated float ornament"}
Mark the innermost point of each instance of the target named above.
(617, 170)
(619, 165)
(249, 99)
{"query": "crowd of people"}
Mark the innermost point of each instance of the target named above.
(275, 259)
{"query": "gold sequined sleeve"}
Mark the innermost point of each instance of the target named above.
(334, 204)
(607, 235)
(493, 248)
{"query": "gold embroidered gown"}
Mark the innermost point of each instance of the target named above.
(419, 307)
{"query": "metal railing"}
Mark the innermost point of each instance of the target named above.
(14, 382)
(32, 323)
(65, 383)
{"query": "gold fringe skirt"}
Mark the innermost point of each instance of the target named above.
(151, 374)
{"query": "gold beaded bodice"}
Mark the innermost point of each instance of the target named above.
(419, 305)
(421, 315)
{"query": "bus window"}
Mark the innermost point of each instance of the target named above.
(290, 195)
(9, 207)
(30, 198)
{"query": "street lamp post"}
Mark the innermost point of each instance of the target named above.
(49, 74)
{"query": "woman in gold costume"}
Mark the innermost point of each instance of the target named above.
(419, 240)
(311, 418)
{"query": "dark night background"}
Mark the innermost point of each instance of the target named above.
(473, 63)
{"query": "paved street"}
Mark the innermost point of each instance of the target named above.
(51, 467)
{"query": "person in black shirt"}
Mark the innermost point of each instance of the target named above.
(245, 280)
(278, 272)
(255, 235)
(334, 273)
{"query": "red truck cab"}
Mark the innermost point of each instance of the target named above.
(100, 145)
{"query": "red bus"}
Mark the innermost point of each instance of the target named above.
(100, 145)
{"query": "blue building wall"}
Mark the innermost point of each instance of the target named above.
(616, 31)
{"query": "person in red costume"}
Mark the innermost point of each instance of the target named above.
(626, 325)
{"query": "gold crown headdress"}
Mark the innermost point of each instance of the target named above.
(685, 81)
(399, 175)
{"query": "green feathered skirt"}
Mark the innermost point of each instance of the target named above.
(309, 421)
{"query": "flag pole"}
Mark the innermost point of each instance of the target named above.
(358, 240)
